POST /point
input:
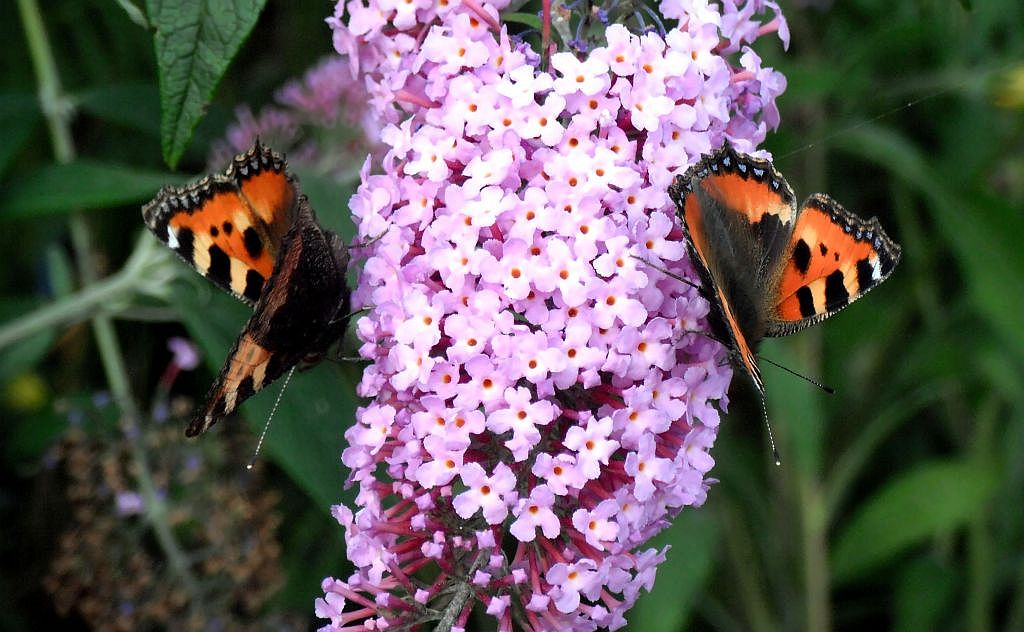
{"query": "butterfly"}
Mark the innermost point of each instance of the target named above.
(768, 267)
(251, 232)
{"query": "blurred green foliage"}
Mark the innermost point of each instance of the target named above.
(900, 500)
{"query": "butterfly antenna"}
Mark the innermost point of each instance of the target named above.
(266, 427)
(827, 389)
(771, 435)
(667, 272)
(352, 314)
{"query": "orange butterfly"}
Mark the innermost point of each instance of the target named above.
(767, 267)
(251, 232)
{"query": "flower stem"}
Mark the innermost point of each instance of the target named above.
(750, 584)
(74, 308)
(981, 549)
(460, 596)
(815, 554)
(57, 111)
(143, 274)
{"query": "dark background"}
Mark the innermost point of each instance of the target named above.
(900, 500)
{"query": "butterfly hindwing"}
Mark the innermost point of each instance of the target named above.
(248, 368)
(834, 258)
(230, 226)
(302, 312)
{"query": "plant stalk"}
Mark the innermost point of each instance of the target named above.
(57, 111)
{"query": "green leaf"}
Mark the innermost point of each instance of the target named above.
(195, 42)
(529, 19)
(931, 499)
(80, 185)
(27, 353)
(133, 105)
(312, 548)
(19, 114)
(924, 596)
(681, 577)
(308, 431)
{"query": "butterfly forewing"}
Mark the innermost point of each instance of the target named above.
(230, 226)
(737, 214)
(746, 210)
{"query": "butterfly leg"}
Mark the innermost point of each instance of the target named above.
(370, 241)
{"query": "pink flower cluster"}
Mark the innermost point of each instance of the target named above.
(540, 404)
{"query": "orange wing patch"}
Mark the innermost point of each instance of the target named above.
(749, 195)
(834, 259)
(693, 223)
(267, 193)
(230, 226)
(225, 221)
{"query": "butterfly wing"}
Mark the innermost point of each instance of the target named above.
(302, 311)
(833, 258)
(230, 226)
(738, 213)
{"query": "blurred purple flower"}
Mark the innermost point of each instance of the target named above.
(186, 354)
(321, 121)
(101, 399)
(129, 503)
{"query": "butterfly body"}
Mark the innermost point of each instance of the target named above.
(768, 267)
(252, 233)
